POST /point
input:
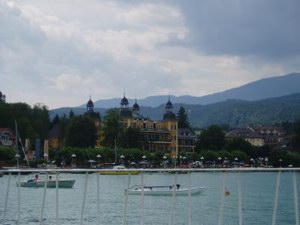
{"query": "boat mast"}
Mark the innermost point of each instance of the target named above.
(17, 149)
(115, 151)
(18, 139)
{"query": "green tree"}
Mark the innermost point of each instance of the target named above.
(71, 114)
(241, 156)
(81, 133)
(182, 118)
(112, 129)
(7, 153)
(131, 138)
(239, 144)
(2, 97)
(295, 140)
(209, 155)
(212, 138)
(40, 120)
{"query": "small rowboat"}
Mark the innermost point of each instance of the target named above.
(164, 190)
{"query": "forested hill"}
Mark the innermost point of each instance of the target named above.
(271, 87)
(235, 113)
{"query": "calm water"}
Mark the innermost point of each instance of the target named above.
(258, 191)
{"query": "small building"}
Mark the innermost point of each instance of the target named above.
(186, 140)
(7, 137)
(258, 135)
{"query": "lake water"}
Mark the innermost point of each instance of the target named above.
(258, 191)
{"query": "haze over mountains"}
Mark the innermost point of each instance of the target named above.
(267, 101)
(257, 90)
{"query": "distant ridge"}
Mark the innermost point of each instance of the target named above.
(234, 113)
(262, 89)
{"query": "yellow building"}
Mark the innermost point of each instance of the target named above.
(158, 135)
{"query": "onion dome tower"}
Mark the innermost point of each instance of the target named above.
(136, 107)
(136, 110)
(90, 106)
(169, 115)
(125, 111)
(124, 102)
(90, 112)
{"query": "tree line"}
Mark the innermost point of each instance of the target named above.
(81, 134)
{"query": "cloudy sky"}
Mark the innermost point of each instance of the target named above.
(60, 52)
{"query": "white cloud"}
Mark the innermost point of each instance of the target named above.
(63, 52)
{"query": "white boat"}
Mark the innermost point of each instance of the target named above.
(119, 170)
(36, 183)
(163, 190)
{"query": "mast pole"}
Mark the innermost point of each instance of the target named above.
(17, 149)
(115, 151)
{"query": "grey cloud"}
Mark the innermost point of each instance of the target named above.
(268, 28)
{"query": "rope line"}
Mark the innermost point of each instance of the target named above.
(124, 221)
(19, 198)
(240, 199)
(276, 198)
(6, 198)
(171, 221)
(222, 199)
(190, 199)
(142, 183)
(98, 199)
(84, 197)
(56, 197)
(296, 198)
(44, 199)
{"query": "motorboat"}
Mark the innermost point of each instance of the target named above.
(164, 190)
(36, 183)
(119, 170)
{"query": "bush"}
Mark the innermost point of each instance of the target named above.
(7, 153)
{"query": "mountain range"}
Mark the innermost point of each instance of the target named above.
(266, 101)
(257, 90)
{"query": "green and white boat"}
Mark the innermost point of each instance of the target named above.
(50, 183)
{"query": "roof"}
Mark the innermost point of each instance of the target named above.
(55, 132)
(169, 116)
(126, 113)
(243, 133)
(8, 130)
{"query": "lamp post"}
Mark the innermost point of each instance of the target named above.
(73, 157)
(183, 159)
(220, 160)
(252, 162)
(122, 158)
(202, 161)
(236, 159)
(98, 158)
(17, 158)
(165, 161)
(266, 160)
(280, 161)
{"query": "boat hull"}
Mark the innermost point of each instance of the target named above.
(149, 191)
(50, 184)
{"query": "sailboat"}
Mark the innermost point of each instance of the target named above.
(37, 182)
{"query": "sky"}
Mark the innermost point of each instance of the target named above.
(59, 53)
